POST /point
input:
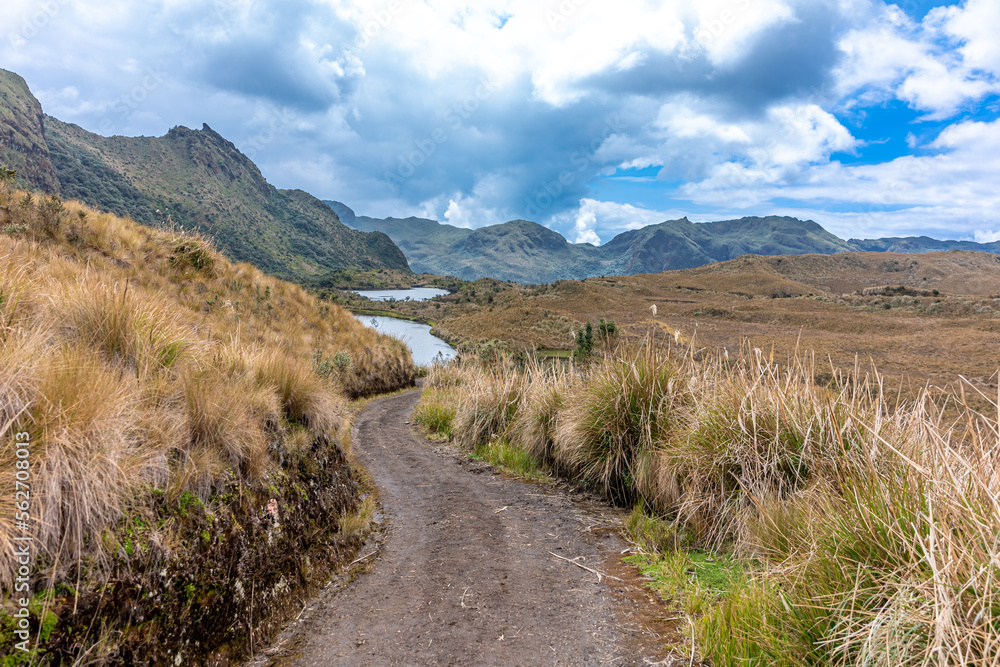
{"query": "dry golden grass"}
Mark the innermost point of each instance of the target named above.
(867, 527)
(820, 306)
(140, 358)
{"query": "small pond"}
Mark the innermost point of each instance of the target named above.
(424, 347)
(414, 294)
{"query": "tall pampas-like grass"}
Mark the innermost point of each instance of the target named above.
(617, 416)
(867, 528)
(488, 407)
(141, 361)
(545, 397)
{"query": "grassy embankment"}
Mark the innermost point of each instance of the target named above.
(793, 524)
(188, 426)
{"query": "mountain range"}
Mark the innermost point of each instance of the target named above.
(197, 180)
(527, 252)
(194, 179)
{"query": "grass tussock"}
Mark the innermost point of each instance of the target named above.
(853, 529)
(617, 417)
(141, 359)
(436, 413)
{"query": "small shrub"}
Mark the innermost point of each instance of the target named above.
(193, 253)
(51, 213)
(607, 331)
(584, 342)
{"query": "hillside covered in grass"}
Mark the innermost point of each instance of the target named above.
(187, 427)
(194, 179)
(785, 523)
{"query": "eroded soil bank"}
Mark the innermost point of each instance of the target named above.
(196, 584)
(472, 569)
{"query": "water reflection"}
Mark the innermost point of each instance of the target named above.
(424, 347)
(414, 294)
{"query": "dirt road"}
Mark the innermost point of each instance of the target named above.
(467, 574)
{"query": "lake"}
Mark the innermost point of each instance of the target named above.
(424, 347)
(415, 294)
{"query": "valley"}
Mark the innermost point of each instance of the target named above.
(917, 318)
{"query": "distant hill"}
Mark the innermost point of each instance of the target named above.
(343, 212)
(519, 250)
(192, 178)
(950, 272)
(527, 252)
(921, 244)
(682, 244)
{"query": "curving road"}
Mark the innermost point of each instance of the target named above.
(467, 575)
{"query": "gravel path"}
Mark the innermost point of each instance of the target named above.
(467, 575)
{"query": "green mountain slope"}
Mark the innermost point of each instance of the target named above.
(192, 178)
(425, 243)
(519, 250)
(533, 253)
(22, 135)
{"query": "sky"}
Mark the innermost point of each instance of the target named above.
(591, 117)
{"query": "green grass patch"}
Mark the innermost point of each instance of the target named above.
(511, 458)
(739, 619)
(436, 412)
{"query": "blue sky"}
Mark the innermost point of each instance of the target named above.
(591, 117)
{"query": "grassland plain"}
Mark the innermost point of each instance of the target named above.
(917, 318)
(188, 426)
(788, 523)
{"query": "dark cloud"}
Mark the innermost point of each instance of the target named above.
(787, 60)
(260, 51)
(270, 70)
